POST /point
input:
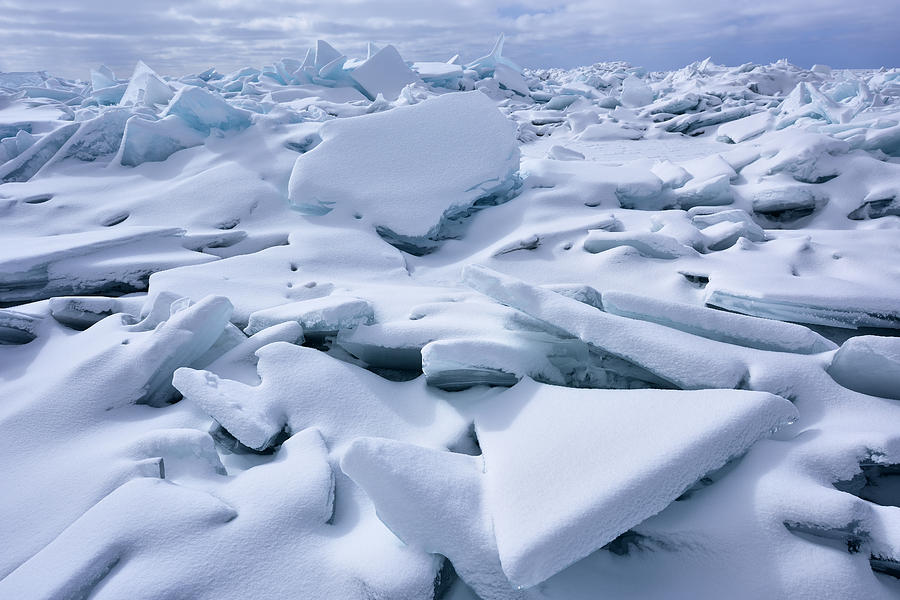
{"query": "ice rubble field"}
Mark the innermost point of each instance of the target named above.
(363, 328)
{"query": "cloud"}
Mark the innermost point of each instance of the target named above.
(191, 35)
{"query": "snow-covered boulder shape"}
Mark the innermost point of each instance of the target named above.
(203, 110)
(869, 364)
(412, 172)
(146, 88)
(383, 73)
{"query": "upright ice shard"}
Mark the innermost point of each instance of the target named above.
(486, 65)
(146, 88)
(383, 73)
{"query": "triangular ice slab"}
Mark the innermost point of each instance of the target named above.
(568, 470)
(325, 53)
(384, 73)
(145, 87)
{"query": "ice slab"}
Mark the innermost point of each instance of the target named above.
(711, 192)
(325, 54)
(487, 64)
(17, 327)
(318, 316)
(876, 209)
(103, 77)
(383, 73)
(499, 360)
(80, 312)
(746, 128)
(607, 130)
(95, 138)
(409, 486)
(658, 349)
(510, 79)
(146, 88)
(696, 122)
(24, 166)
(525, 432)
(869, 364)
(203, 110)
(280, 508)
(119, 260)
(704, 219)
(439, 73)
(817, 300)
(806, 100)
(146, 140)
(787, 204)
(753, 332)
(412, 172)
(302, 388)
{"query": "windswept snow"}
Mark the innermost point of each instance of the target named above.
(364, 327)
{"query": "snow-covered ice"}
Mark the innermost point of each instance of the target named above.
(362, 326)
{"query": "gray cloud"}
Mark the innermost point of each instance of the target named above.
(191, 35)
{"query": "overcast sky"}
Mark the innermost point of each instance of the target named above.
(177, 37)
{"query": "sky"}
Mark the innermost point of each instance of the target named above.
(177, 37)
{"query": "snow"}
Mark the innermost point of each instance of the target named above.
(355, 325)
